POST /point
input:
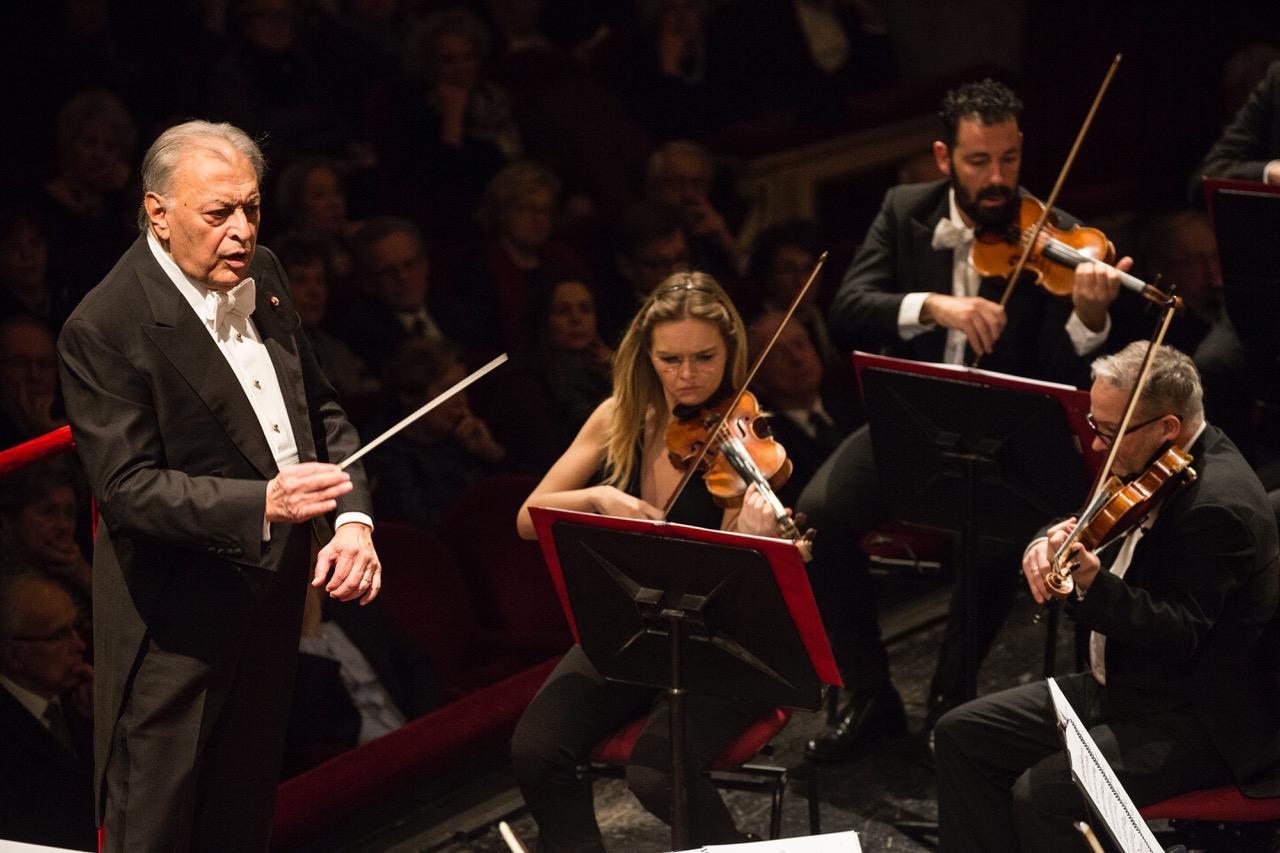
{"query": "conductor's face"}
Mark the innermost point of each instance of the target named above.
(208, 220)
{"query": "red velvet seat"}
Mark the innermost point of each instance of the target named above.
(730, 769)
(424, 592)
(504, 570)
(1225, 805)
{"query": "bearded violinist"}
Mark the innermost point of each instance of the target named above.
(1177, 696)
(912, 292)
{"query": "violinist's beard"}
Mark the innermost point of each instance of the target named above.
(996, 219)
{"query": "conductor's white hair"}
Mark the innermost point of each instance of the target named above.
(179, 142)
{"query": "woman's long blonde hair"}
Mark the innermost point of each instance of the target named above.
(637, 390)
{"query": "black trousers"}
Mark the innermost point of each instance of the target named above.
(195, 756)
(843, 501)
(574, 710)
(1003, 782)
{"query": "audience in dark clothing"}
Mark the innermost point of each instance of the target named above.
(46, 755)
(25, 285)
(649, 245)
(29, 404)
(435, 459)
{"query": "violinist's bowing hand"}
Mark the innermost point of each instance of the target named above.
(1037, 561)
(610, 500)
(981, 320)
(1095, 288)
(756, 517)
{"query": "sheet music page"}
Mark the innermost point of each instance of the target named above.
(832, 842)
(1094, 776)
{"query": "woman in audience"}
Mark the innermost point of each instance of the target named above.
(685, 346)
(39, 508)
(556, 383)
(25, 287)
(518, 213)
(312, 200)
(450, 130)
(85, 207)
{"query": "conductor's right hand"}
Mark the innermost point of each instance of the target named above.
(981, 320)
(609, 500)
(303, 491)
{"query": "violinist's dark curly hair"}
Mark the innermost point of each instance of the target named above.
(988, 101)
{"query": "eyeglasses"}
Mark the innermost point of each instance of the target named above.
(1108, 438)
(57, 636)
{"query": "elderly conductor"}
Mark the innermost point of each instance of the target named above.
(209, 435)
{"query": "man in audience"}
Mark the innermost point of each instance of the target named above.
(398, 303)
(650, 244)
(679, 175)
(28, 380)
(789, 387)
(46, 769)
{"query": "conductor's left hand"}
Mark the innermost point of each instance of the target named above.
(356, 571)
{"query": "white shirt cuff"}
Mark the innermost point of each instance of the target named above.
(349, 517)
(909, 309)
(1083, 339)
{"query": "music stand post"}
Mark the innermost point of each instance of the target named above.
(683, 609)
(986, 456)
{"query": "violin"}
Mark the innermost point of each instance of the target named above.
(1054, 257)
(1116, 509)
(740, 452)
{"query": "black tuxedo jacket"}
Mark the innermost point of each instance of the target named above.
(1183, 625)
(46, 793)
(178, 464)
(1249, 142)
(897, 258)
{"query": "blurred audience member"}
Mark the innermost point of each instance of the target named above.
(789, 387)
(305, 262)
(397, 305)
(782, 259)
(39, 508)
(819, 50)
(25, 286)
(270, 82)
(520, 205)
(450, 130)
(554, 384)
(312, 200)
(1243, 70)
(518, 24)
(88, 221)
(435, 459)
(46, 755)
(29, 405)
(358, 678)
(1249, 147)
(677, 80)
(679, 175)
(650, 244)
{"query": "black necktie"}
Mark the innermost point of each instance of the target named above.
(57, 723)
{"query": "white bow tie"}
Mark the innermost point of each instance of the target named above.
(239, 300)
(948, 235)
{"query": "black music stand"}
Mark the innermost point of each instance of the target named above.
(1246, 221)
(683, 609)
(987, 456)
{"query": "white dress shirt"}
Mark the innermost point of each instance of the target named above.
(240, 344)
(965, 282)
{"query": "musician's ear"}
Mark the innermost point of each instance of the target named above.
(1171, 426)
(942, 157)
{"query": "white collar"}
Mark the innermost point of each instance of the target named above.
(33, 702)
(203, 300)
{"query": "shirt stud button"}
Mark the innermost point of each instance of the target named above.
(275, 427)
(257, 384)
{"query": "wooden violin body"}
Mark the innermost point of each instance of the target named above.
(746, 423)
(1118, 508)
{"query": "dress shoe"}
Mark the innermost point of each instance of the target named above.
(868, 716)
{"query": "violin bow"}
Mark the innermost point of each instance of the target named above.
(1029, 241)
(751, 374)
(431, 404)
